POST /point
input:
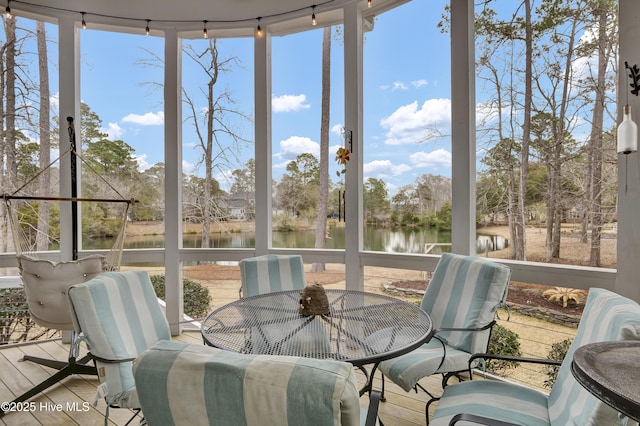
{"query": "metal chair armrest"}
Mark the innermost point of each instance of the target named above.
(513, 358)
(481, 420)
(485, 327)
(372, 412)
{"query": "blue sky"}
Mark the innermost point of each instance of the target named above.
(406, 94)
(407, 90)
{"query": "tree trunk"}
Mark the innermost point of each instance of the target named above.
(4, 236)
(323, 197)
(521, 247)
(11, 179)
(208, 148)
(597, 134)
(42, 236)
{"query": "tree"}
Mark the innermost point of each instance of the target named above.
(376, 203)
(405, 202)
(244, 180)
(602, 11)
(42, 240)
(194, 200)
(217, 139)
(90, 125)
(149, 194)
(244, 185)
(297, 191)
(323, 190)
(9, 180)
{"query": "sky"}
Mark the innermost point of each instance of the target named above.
(406, 94)
(406, 87)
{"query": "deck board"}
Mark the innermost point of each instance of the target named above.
(75, 394)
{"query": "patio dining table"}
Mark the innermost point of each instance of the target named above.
(360, 328)
(609, 370)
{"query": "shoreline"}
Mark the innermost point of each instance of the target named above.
(572, 251)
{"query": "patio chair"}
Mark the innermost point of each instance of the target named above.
(45, 285)
(462, 299)
(271, 272)
(118, 316)
(192, 385)
(606, 317)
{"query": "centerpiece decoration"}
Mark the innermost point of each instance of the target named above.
(313, 301)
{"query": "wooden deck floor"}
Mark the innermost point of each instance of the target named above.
(70, 401)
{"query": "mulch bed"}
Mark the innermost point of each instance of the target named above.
(519, 293)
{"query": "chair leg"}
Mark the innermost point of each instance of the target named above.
(51, 363)
(54, 363)
(135, 414)
(71, 368)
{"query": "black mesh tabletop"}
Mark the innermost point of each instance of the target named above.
(361, 327)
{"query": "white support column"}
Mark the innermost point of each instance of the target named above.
(263, 143)
(69, 78)
(173, 179)
(627, 281)
(353, 75)
(463, 129)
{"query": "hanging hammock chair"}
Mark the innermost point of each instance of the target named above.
(46, 282)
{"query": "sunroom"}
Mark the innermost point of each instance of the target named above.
(413, 93)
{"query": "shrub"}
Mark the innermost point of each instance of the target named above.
(502, 342)
(557, 353)
(196, 296)
(15, 321)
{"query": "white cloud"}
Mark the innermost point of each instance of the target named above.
(114, 131)
(337, 129)
(54, 101)
(142, 162)
(225, 179)
(384, 169)
(401, 85)
(288, 103)
(148, 119)
(438, 159)
(410, 124)
(296, 145)
(187, 167)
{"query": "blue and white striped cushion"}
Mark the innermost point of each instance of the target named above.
(606, 317)
(118, 315)
(407, 370)
(610, 317)
(269, 273)
(464, 292)
(497, 400)
(194, 385)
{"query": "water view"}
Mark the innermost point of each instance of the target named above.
(390, 240)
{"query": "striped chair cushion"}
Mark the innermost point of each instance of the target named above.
(606, 317)
(407, 370)
(610, 317)
(497, 400)
(464, 292)
(184, 384)
(118, 315)
(269, 273)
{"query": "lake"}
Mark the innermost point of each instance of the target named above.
(390, 240)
